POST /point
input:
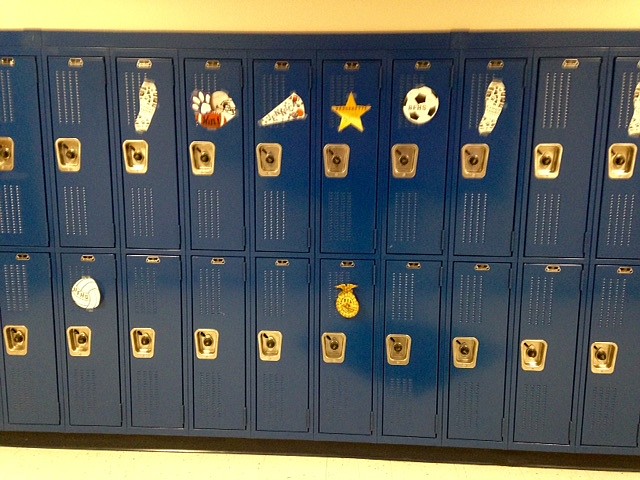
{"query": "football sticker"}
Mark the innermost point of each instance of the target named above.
(213, 111)
(292, 108)
(420, 105)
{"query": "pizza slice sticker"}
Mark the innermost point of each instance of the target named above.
(289, 110)
(213, 111)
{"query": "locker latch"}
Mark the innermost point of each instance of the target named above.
(603, 357)
(270, 345)
(404, 160)
(69, 154)
(203, 158)
(474, 158)
(16, 340)
(336, 160)
(136, 156)
(79, 341)
(206, 342)
(6, 154)
(533, 355)
(465, 352)
(269, 156)
(143, 342)
(334, 347)
(547, 160)
(622, 160)
(398, 349)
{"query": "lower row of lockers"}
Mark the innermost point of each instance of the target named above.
(466, 352)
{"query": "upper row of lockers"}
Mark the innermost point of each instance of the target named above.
(515, 132)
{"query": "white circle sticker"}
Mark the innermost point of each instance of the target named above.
(420, 105)
(85, 293)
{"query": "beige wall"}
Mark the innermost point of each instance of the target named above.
(319, 15)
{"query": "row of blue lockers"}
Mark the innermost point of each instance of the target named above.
(427, 152)
(470, 354)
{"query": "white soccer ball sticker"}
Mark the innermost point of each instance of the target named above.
(86, 293)
(420, 105)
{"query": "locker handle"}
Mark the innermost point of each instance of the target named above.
(625, 270)
(622, 161)
(203, 158)
(16, 340)
(398, 349)
(547, 160)
(23, 257)
(423, 65)
(334, 347)
(336, 160)
(533, 355)
(474, 158)
(269, 158)
(465, 352)
(270, 345)
(79, 341)
(69, 155)
(281, 66)
(206, 343)
(8, 62)
(143, 342)
(603, 357)
(212, 65)
(136, 156)
(7, 154)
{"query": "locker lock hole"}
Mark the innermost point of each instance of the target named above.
(6, 154)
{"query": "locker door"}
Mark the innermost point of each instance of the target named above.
(30, 379)
(480, 318)
(411, 337)
(612, 393)
(346, 347)
(283, 132)
(282, 371)
(91, 339)
(350, 112)
(80, 144)
(148, 152)
(546, 353)
(421, 104)
(488, 156)
(219, 378)
(215, 153)
(23, 216)
(563, 136)
(155, 341)
(619, 233)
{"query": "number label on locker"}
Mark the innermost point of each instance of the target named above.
(215, 151)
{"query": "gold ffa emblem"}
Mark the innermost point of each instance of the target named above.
(347, 303)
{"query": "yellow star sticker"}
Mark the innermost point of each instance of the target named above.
(351, 114)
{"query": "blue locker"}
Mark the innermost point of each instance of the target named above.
(155, 341)
(30, 373)
(489, 152)
(418, 156)
(80, 144)
(282, 125)
(215, 153)
(350, 113)
(612, 393)
(219, 333)
(282, 333)
(411, 336)
(148, 152)
(92, 341)
(346, 348)
(562, 156)
(23, 216)
(619, 231)
(546, 353)
(479, 323)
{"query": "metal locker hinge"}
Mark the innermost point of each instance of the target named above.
(206, 342)
(7, 154)
(16, 340)
(336, 160)
(270, 345)
(404, 160)
(79, 341)
(334, 347)
(465, 352)
(203, 158)
(603, 357)
(475, 159)
(143, 342)
(622, 160)
(136, 156)
(398, 349)
(269, 156)
(547, 160)
(533, 355)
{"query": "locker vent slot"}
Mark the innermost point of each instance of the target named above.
(339, 88)
(274, 287)
(613, 302)
(6, 97)
(625, 104)
(474, 218)
(132, 83)
(406, 83)
(471, 297)
(210, 400)
(533, 413)
(147, 395)
(557, 92)
(273, 91)
(398, 411)
(603, 411)
(142, 212)
(340, 217)
(68, 97)
(403, 296)
(75, 211)
(274, 209)
(620, 220)
(209, 224)
(16, 283)
(205, 82)
(273, 399)
(84, 390)
(547, 219)
(541, 292)
(143, 295)
(466, 404)
(340, 400)
(405, 213)
(74, 272)
(479, 84)
(335, 278)
(210, 294)
(11, 210)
